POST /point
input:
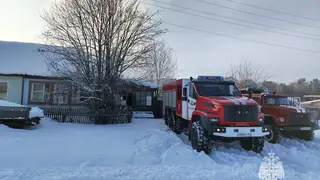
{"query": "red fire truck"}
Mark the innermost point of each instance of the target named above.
(210, 108)
(283, 114)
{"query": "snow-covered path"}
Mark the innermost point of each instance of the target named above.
(145, 149)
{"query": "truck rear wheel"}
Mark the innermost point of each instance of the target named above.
(200, 139)
(306, 135)
(275, 135)
(176, 127)
(254, 144)
(166, 117)
(170, 119)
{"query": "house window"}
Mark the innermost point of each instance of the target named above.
(143, 98)
(76, 96)
(40, 92)
(148, 98)
(3, 90)
(138, 98)
(60, 94)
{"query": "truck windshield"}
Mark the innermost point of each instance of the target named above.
(218, 89)
(276, 101)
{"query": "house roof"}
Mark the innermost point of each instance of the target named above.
(18, 58)
(24, 59)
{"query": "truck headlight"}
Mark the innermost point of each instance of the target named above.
(261, 121)
(281, 119)
(313, 121)
(265, 129)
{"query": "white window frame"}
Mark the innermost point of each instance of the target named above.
(43, 91)
(75, 97)
(7, 94)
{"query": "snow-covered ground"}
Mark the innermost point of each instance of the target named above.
(144, 150)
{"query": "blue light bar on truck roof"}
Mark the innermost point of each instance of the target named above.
(267, 91)
(212, 78)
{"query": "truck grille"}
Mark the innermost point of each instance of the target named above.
(300, 119)
(241, 113)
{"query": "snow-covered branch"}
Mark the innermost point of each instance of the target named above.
(94, 42)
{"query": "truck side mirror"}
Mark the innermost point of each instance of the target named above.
(184, 93)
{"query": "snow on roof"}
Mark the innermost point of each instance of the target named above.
(9, 104)
(144, 83)
(22, 58)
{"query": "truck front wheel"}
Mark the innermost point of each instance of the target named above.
(200, 140)
(275, 135)
(255, 144)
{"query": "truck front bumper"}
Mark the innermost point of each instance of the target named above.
(311, 127)
(236, 132)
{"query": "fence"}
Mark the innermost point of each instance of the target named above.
(315, 112)
(85, 116)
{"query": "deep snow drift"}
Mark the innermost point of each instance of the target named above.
(145, 149)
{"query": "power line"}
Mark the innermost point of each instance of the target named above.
(259, 15)
(276, 11)
(213, 14)
(238, 38)
(287, 34)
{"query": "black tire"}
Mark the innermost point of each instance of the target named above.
(257, 144)
(306, 135)
(275, 135)
(254, 144)
(169, 119)
(176, 126)
(166, 117)
(199, 139)
(245, 143)
(36, 120)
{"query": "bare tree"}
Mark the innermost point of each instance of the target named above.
(160, 64)
(247, 75)
(93, 42)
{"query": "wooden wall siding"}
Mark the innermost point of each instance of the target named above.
(14, 89)
(51, 100)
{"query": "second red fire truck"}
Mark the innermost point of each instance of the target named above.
(210, 108)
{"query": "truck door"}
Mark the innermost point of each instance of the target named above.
(191, 101)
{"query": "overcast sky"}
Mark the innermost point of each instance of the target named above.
(199, 53)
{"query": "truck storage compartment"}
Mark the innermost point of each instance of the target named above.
(15, 113)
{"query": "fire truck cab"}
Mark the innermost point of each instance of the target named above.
(210, 108)
(283, 114)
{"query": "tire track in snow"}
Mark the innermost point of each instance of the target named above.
(158, 172)
(164, 147)
(298, 156)
(150, 148)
